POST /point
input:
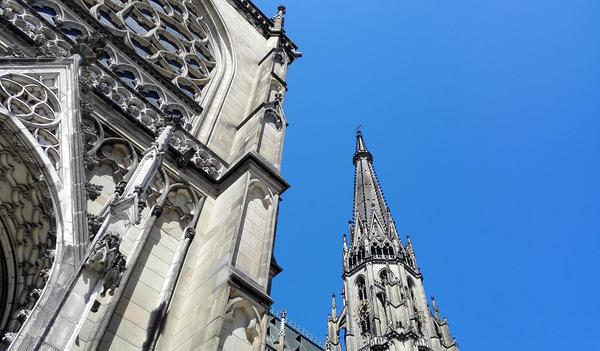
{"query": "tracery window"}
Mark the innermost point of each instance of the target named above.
(362, 288)
(36, 106)
(170, 35)
(383, 275)
(388, 250)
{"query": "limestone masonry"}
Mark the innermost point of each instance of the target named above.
(140, 153)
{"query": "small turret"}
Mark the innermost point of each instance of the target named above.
(411, 258)
(279, 18)
(333, 306)
(280, 343)
(436, 311)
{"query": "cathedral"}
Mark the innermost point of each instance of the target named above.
(140, 155)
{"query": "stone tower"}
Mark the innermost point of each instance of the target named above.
(140, 148)
(384, 301)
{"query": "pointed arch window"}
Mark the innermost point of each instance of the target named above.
(388, 251)
(384, 276)
(362, 288)
(411, 289)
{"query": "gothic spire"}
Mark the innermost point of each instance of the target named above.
(369, 203)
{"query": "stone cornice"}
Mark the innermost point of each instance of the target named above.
(265, 25)
(244, 283)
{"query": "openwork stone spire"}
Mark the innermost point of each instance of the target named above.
(371, 213)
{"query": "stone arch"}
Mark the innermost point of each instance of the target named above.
(30, 218)
(241, 326)
(217, 89)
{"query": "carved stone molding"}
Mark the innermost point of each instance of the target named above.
(93, 190)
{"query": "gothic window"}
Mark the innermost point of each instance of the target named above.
(362, 288)
(411, 289)
(388, 251)
(376, 250)
(171, 37)
(364, 325)
(383, 275)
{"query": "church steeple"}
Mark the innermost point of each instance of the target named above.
(371, 213)
(384, 301)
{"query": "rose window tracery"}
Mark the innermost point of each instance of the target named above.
(170, 35)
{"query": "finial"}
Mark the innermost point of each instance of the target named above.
(278, 19)
(345, 243)
(333, 307)
(280, 342)
(436, 310)
(282, 325)
(327, 343)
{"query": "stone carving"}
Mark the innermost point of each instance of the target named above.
(94, 224)
(30, 226)
(90, 48)
(8, 338)
(142, 204)
(157, 210)
(60, 34)
(172, 37)
(107, 261)
(22, 315)
(12, 51)
(93, 190)
(190, 233)
(50, 44)
(119, 189)
(36, 106)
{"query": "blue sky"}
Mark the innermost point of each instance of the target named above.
(484, 121)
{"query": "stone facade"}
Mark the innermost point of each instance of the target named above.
(140, 148)
(384, 301)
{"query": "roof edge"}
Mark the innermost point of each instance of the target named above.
(265, 25)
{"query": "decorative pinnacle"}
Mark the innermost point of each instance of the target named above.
(279, 18)
(333, 307)
(436, 310)
(282, 325)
